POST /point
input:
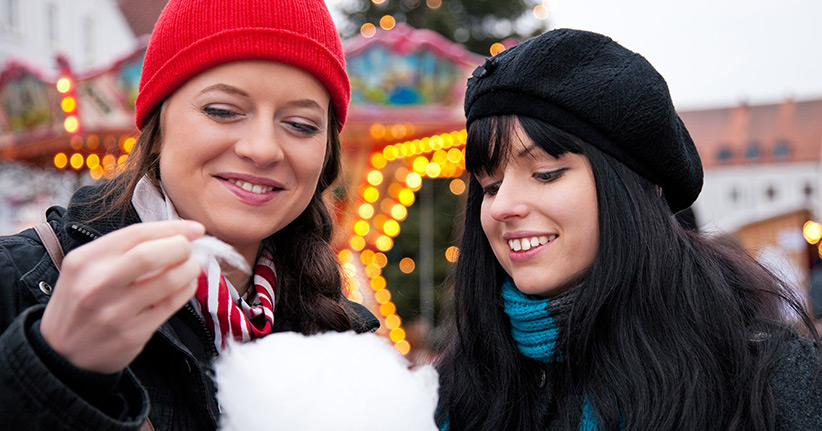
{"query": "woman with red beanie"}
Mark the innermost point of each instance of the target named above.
(240, 107)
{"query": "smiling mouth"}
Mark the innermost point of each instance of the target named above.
(525, 244)
(251, 187)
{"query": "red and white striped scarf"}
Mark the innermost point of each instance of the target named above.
(227, 315)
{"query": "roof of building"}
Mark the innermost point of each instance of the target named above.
(790, 131)
(141, 14)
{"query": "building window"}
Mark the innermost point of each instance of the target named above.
(782, 150)
(735, 194)
(11, 20)
(725, 154)
(51, 24)
(808, 189)
(89, 39)
(771, 192)
(754, 151)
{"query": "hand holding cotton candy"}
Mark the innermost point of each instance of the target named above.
(331, 381)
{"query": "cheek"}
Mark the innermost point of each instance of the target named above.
(485, 220)
(592, 229)
(491, 229)
(311, 165)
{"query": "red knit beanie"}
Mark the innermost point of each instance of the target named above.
(192, 36)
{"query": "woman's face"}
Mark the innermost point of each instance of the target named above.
(539, 214)
(243, 146)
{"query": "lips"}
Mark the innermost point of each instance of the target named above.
(527, 243)
(251, 189)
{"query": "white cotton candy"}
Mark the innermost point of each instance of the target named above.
(206, 247)
(332, 381)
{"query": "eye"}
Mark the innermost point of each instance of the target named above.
(549, 176)
(219, 112)
(302, 128)
(491, 189)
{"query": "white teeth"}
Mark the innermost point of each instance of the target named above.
(249, 187)
(523, 244)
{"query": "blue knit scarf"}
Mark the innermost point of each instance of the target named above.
(536, 332)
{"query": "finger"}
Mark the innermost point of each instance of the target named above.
(163, 309)
(146, 259)
(149, 292)
(128, 237)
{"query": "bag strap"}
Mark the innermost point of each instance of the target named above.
(49, 238)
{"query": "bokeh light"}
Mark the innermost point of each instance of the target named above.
(452, 253)
(374, 177)
(812, 231)
(368, 30)
(93, 161)
(384, 243)
(68, 104)
(457, 186)
(541, 12)
(72, 124)
(403, 347)
(76, 161)
(387, 22)
(406, 197)
(60, 160)
(497, 48)
(64, 85)
(407, 265)
(365, 211)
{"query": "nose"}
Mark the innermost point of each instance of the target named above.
(509, 202)
(260, 143)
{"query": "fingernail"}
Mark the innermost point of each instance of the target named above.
(196, 229)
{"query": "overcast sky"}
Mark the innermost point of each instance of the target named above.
(713, 53)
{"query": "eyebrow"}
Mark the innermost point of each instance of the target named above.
(301, 103)
(527, 150)
(306, 103)
(224, 88)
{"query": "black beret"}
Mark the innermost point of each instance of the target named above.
(590, 86)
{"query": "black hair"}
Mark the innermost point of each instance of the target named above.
(668, 329)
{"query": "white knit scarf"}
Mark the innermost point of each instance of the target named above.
(227, 315)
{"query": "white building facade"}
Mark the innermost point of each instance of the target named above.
(89, 33)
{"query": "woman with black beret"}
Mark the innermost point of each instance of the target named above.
(580, 302)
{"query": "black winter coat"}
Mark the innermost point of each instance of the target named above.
(169, 382)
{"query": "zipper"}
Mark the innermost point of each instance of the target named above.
(205, 337)
(205, 333)
(82, 233)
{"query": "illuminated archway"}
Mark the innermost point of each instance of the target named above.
(387, 189)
